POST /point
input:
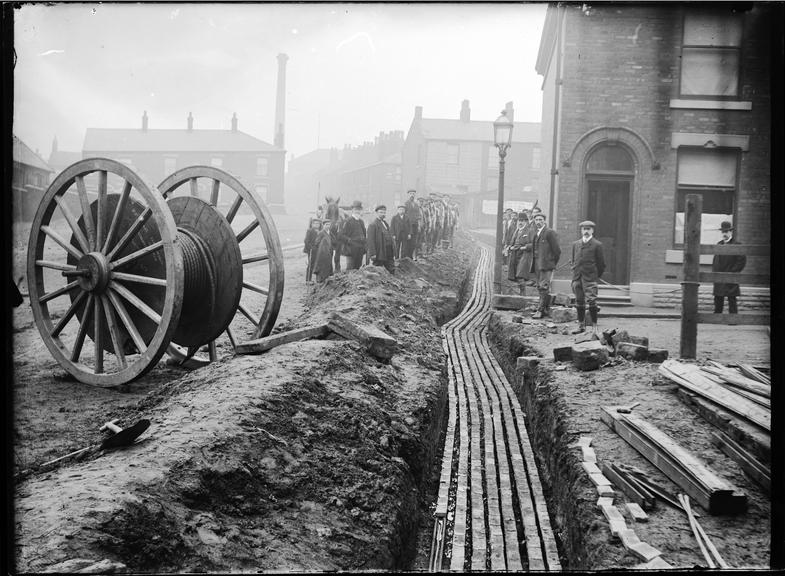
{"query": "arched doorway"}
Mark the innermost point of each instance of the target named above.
(610, 172)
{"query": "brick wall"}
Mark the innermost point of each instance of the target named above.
(752, 298)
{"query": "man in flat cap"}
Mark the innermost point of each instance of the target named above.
(545, 255)
(400, 229)
(380, 241)
(727, 263)
(413, 215)
(353, 237)
(588, 264)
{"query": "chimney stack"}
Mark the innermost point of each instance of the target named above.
(234, 122)
(418, 112)
(190, 122)
(280, 102)
(466, 113)
(144, 121)
(510, 112)
(54, 146)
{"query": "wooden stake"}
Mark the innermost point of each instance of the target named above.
(684, 500)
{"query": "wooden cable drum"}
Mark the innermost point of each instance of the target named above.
(144, 271)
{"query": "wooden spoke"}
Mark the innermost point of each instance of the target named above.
(211, 351)
(230, 334)
(87, 214)
(131, 232)
(59, 292)
(67, 316)
(69, 217)
(214, 192)
(114, 330)
(256, 288)
(126, 319)
(136, 255)
(248, 229)
(100, 224)
(80, 335)
(60, 240)
(194, 187)
(234, 208)
(98, 337)
(247, 314)
(138, 279)
(118, 212)
(256, 258)
(135, 300)
(54, 265)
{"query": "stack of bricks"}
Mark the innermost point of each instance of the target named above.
(651, 556)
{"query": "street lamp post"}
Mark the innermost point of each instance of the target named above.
(502, 138)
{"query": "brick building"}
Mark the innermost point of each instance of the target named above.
(29, 181)
(457, 157)
(643, 105)
(302, 178)
(156, 153)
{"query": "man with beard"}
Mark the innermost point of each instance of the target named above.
(588, 264)
(380, 242)
(353, 238)
(545, 256)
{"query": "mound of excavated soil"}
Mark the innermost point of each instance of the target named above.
(311, 456)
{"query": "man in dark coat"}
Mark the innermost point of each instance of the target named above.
(380, 242)
(400, 230)
(323, 263)
(727, 263)
(413, 215)
(518, 240)
(353, 238)
(309, 247)
(508, 229)
(588, 264)
(546, 253)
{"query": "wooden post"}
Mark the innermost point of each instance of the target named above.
(693, 207)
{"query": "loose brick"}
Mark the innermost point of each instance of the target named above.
(631, 351)
(657, 355)
(562, 354)
(636, 512)
(528, 364)
(591, 468)
(589, 355)
(561, 315)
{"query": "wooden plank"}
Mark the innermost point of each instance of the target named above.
(735, 278)
(736, 249)
(733, 319)
(751, 437)
(717, 501)
(689, 377)
(751, 467)
(738, 380)
(655, 488)
(375, 341)
(263, 344)
(626, 487)
(751, 372)
(693, 206)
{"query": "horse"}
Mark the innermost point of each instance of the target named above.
(337, 215)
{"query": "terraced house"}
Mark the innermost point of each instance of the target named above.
(643, 105)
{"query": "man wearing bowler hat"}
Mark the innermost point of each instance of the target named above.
(545, 256)
(588, 264)
(380, 241)
(727, 263)
(353, 237)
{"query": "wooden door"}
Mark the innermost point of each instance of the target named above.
(609, 208)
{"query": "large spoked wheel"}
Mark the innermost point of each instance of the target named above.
(118, 278)
(262, 258)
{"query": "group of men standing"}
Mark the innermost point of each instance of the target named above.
(380, 244)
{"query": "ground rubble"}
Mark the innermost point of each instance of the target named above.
(311, 456)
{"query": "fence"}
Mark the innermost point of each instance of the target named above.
(692, 277)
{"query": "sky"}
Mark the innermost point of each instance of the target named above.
(354, 70)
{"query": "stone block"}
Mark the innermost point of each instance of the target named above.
(561, 299)
(631, 351)
(563, 353)
(657, 355)
(604, 490)
(586, 337)
(607, 336)
(560, 314)
(587, 452)
(589, 355)
(529, 365)
(636, 512)
(591, 468)
(605, 501)
(639, 340)
(620, 336)
(655, 564)
(599, 479)
(645, 552)
(629, 538)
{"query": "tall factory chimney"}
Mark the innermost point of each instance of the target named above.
(280, 102)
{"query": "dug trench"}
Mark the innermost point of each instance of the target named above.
(312, 456)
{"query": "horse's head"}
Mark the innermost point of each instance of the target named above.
(332, 209)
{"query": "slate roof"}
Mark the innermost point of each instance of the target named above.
(173, 140)
(62, 159)
(475, 130)
(24, 155)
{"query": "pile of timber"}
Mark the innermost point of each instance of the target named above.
(713, 493)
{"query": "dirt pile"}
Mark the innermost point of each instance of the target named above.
(312, 456)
